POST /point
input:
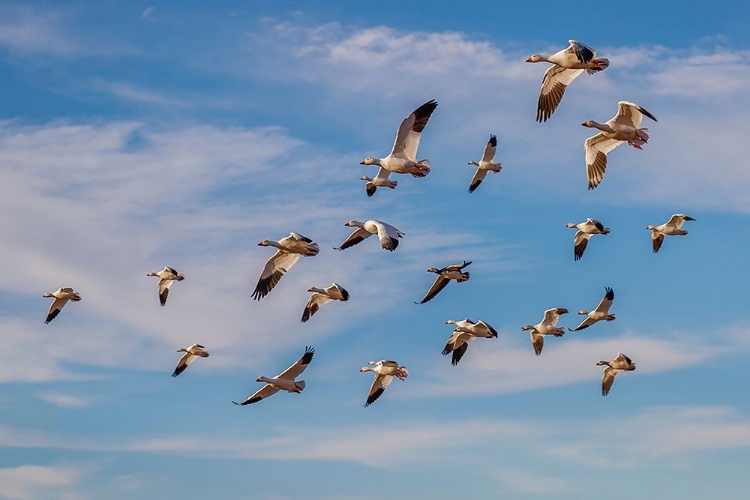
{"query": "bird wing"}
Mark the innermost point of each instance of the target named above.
(579, 244)
(606, 303)
(657, 239)
(163, 288)
(458, 353)
(313, 304)
(552, 315)
(597, 224)
(377, 388)
(489, 149)
(621, 358)
(439, 284)
(489, 328)
(479, 176)
(583, 52)
(357, 236)
(585, 324)
(410, 131)
(264, 392)
(299, 366)
(630, 114)
(608, 378)
(556, 80)
(54, 309)
(537, 340)
(388, 235)
(278, 264)
(677, 220)
(183, 363)
(596, 148)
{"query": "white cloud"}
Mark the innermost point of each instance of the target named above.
(35, 481)
(63, 400)
(148, 13)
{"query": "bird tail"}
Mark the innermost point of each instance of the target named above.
(601, 62)
(299, 385)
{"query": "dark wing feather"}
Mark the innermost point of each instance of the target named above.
(656, 241)
(372, 397)
(439, 284)
(52, 315)
(459, 353)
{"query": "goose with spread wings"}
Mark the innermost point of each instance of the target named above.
(444, 275)
(673, 227)
(624, 127)
(387, 234)
(567, 64)
(465, 331)
(289, 250)
(283, 381)
(548, 326)
(601, 313)
(486, 164)
(192, 353)
(62, 295)
(382, 179)
(619, 363)
(585, 231)
(166, 276)
(403, 156)
(384, 370)
(322, 296)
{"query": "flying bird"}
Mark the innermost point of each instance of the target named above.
(673, 227)
(283, 381)
(380, 180)
(166, 276)
(623, 127)
(601, 313)
(486, 164)
(466, 330)
(384, 372)
(290, 248)
(567, 64)
(620, 363)
(387, 234)
(548, 326)
(322, 296)
(61, 296)
(191, 354)
(403, 157)
(445, 274)
(585, 231)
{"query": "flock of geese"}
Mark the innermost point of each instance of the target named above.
(566, 65)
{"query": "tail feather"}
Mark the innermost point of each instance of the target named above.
(300, 385)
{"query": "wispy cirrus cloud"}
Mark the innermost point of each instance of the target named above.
(36, 481)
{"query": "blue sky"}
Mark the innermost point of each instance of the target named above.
(138, 135)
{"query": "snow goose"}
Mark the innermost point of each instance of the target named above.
(380, 180)
(167, 276)
(384, 370)
(403, 156)
(322, 296)
(567, 64)
(61, 296)
(601, 313)
(466, 331)
(387, 234)
(620, 363)
(290, 248)
(548, 326)
(283, 381)
(673, 227)
(585, 231)
(445, 274)
(191, 354)
(485, 164)
(623, 127)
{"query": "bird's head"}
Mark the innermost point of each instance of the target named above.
(368, 161)
(535, 58)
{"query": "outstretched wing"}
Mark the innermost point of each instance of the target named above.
(266, 391)
(657, 239)
(580, 243)
(377, 388)
(556, 80)
(276, 266)
(299, 366)
(479, 176)
(606, 302)
(631, 114)
(388, 235)
(54, 309)
(489, 149)
(537, 340)
(584, 324)
(410, 131)
(356, 237)
(313, 304)
(163, 288)
(438, 285)
(583, 52)
(608, 378)
(596, 148)
(677, 220)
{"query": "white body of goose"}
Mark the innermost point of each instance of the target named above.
(387, 234)
(382, 179)
(61, 296)
(322, 296)
(384, 370)
(192, 353)
(403, 156)
(620, 363)
(585, 231)
(623, 127)
(465, 331)
(283, 381)
(673, 227)
(290, 249)
(486, 164)
(601, 313)
(445, 274)
(548, 326)
(567, 64)
(166, 276)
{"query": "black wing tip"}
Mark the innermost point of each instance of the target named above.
(493, 140)
(609, 293)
